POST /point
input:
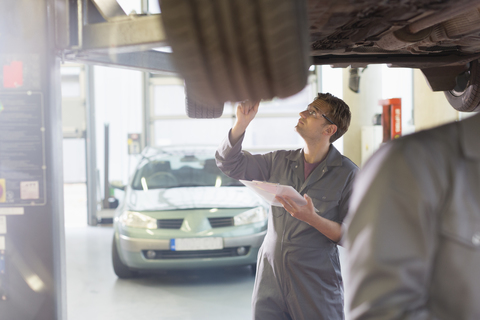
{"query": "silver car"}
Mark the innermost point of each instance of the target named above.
(181, 212)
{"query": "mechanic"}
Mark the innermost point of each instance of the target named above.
(413, 230)
(298, 269)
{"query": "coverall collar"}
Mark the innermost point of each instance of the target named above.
(469, 135)
(334, 158)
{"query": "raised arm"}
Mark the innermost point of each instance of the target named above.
(246, 111)
(230, 157)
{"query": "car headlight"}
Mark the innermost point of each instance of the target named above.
(251, 216)
(137, 220)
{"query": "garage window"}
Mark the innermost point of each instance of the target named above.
(272, 129)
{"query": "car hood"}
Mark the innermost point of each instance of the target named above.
(191, 198)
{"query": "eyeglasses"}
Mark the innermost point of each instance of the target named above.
(311, 111)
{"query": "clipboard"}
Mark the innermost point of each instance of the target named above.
(268, 191)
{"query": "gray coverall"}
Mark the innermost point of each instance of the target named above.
(298, 270)
(413, 233)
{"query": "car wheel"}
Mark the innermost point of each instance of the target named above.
(199, 110)
(466, 95)
(239, 49)
(121, 270)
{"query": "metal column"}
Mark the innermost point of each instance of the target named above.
(147, 123)
(31, 171)
(91, 149)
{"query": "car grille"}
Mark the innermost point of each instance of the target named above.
(169, 223)
(221, 222)
(167, 254)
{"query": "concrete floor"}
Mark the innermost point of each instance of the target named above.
(94, 292)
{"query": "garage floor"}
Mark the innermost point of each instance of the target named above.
(94, 292)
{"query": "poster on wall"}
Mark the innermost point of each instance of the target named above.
(22, 149)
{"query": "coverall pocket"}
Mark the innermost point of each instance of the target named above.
(324, 199)
(463, 227)
(278, 212)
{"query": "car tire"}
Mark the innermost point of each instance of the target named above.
(199, 110)
(467, 100)
(239, 49)
(121, 270)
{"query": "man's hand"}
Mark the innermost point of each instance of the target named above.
(306, 213)
(246, 111)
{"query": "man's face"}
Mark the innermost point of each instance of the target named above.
(313, 120)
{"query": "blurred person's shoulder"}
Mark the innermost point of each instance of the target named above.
(435, 146)
(449, 137)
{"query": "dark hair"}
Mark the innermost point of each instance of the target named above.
(339, 113)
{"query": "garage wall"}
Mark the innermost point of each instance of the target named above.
(363, 106)
(73, 122)
(272, 129)
(331, 81)
(118, 102)
(74, 168)
(431, 108)
(421, 107)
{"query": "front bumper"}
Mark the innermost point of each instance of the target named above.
(131, 251)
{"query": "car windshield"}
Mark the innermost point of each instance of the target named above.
(180, 170)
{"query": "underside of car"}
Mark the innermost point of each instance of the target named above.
(260, 49)
(400, 28)
(442, 38)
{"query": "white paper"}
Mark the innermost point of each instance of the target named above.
(29, 190)
(268, 191)
(3, 224)
(12, 210)
(2, 243)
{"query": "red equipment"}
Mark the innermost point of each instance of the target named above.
(391, 118)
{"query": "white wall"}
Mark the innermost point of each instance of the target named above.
(331, 81)
(73, 122)
(431, 108)
(398, 83)
(118, 102)
(363, 106)
(74, 170)
(377, 82)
